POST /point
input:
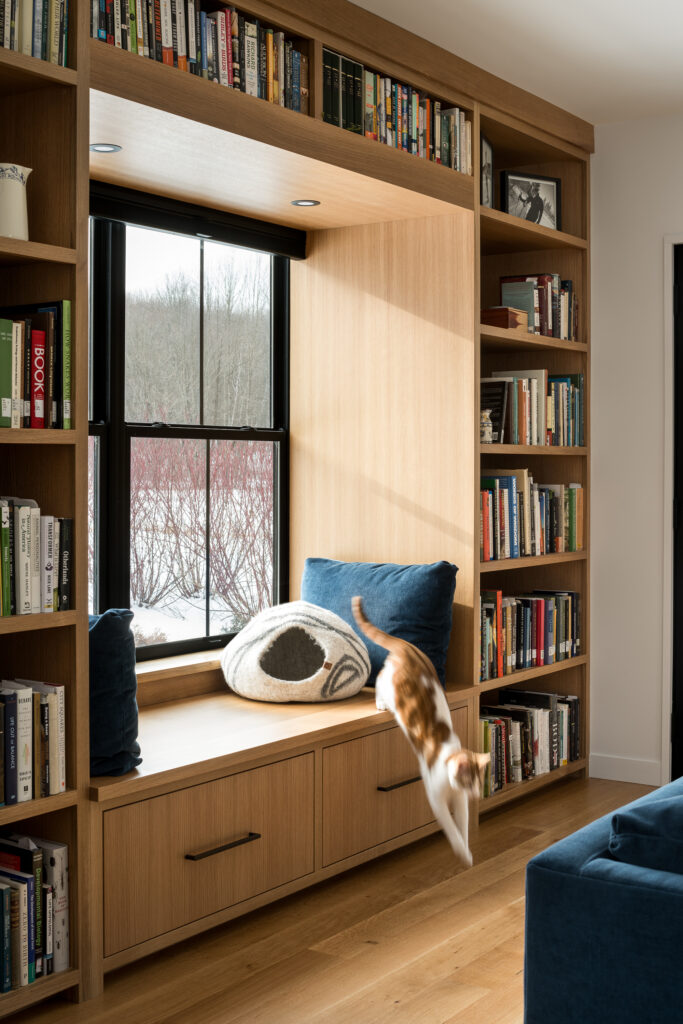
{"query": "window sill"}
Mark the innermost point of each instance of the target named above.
(185, 675)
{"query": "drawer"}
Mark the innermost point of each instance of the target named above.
(260, 822)
(364, 803)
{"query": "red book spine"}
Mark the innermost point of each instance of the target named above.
(109, 17)
(38, 379)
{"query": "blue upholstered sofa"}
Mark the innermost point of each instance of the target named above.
(604, 934)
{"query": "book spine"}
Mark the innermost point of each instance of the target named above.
(56, 549)
(22, 559)
(66, 364)
(10, 702)
(47, 565)
(17, 410)
(44, 746)
(65, 530)
(166, 32)
(37, 414)
(5, 561)
(5, 923)
(49, 936)
(34, 554)
(251, 58)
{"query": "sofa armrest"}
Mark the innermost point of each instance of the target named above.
(603, 939)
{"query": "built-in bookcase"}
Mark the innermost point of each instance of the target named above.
(44, 116)
(511, 246)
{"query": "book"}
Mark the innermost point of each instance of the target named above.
(19, 927)
(5, 373)
(47, 567)
(20, 853)
(8, 699)
(24, 726)
(494, 397)
(523, 295)
(56, 874)
(54, 692)
(5, 937)
(24, 883)
(65, 526)
(505, 317)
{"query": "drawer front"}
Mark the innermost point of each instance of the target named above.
(150, 887)
(363, 802)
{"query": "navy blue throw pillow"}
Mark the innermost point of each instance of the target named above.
(114, 749)
(650, 835)
(414, 602)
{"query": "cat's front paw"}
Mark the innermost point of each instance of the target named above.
(380, 705)
(467, 858)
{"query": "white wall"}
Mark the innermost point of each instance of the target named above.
(637, 200)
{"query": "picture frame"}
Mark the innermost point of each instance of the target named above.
(532, 197)
(486, 165)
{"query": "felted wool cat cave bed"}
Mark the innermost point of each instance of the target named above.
(296, 652)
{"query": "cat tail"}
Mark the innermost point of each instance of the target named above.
(382, 639)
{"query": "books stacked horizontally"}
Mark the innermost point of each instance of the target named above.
(528, 734)
(364, 102)
(530, 407)
(35, 366)
(36, 29)
(527, 630)
(35, 559)
(550, 303)
(520, 518)
(34, 909)
(32, 740)
(223, 46)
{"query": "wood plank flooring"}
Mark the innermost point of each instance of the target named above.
(408, 939)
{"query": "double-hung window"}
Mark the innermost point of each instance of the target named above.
(188, 418)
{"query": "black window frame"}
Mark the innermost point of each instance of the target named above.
(111, 208)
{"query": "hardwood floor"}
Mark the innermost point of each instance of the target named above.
(409, 939)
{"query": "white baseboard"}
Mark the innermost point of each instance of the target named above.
(625, 769)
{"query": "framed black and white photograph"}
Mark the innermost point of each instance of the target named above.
(532, 197)
(486, 173)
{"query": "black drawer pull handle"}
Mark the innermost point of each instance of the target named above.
(397, 785)
(249, 838)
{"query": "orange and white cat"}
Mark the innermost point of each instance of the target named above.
(408, 686)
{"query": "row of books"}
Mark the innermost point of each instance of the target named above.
(36, 28)
(35, 366)
(528, 734)
(520, 518)
(223, 46)
(362, 101)
(527, 630)
(32, 740)
(34, 909)
(35, 559)
(532, 408)
(550, 303)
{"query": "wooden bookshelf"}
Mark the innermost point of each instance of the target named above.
(401, 258)
(509, 246)
(45, 127)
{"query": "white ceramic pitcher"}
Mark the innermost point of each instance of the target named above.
(13, 210)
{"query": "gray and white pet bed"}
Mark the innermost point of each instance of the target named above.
(296, 652)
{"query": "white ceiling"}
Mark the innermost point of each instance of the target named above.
(604, 60)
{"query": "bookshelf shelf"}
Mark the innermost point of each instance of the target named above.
(43, 988)
(505, 340)
(39, 437)
(532, 561)
(531, 674)
(176, 122)
(19, 73)
(32, 808)
(31, 623)
(530, 449)
(501, 233)
(14, 251)
(515, 790)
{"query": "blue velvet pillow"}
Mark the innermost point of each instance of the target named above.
(114, 749)
(650, 835)
(414, 602)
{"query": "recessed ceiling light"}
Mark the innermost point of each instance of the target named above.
(305, 202)
(201, 235)
(105, 147)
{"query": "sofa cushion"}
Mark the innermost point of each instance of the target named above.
(114, 749)
(414, 602)
(650, 835)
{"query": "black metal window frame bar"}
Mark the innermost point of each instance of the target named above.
(111, 209)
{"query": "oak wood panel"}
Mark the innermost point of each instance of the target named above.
(530, 675)
(532, 561)
(149, 885)
(515, 790)
(255, 158)
(15, 251)
(356, 815)
(500, 339)
(381, 431)
(19, 73)
(503, 233)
